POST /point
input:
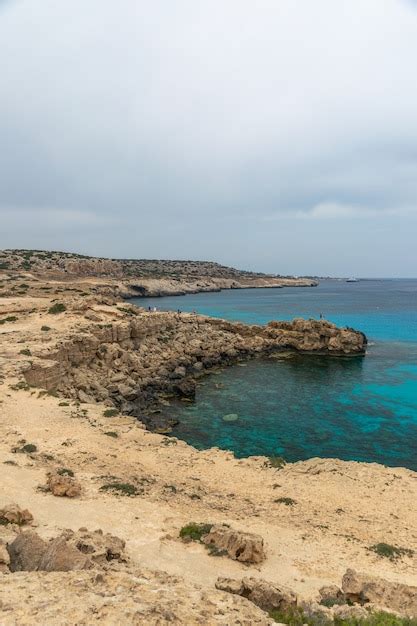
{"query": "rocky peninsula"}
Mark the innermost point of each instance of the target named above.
(102, 519)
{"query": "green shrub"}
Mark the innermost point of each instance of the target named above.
(277, 462)
(111, 433)
(124, 489)
(29, 448)
(58, 307)
(45, 328)
(390, 552)
(26, 352)
(63, 404)
(64, 471)
(10, 318)
(110, 412)
(195, 531)
(285, 500)
(296, 617)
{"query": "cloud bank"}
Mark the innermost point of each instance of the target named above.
(279, 136)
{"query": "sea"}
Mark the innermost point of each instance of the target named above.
(303, 406)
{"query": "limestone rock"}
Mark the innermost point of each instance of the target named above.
(13, 514)
(100, 547)
(63, 485)
(267, 596)
(61, 556)
(330, 592)
(240, 546)
(364, 589)
(26, 552)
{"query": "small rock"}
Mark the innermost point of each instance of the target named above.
(13, 514)
(240, 546)
(63, 485)
(230, 417)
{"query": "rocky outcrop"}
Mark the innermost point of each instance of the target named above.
(129, 363)
(365, 589)
(267, 596)
(239, 546)
(69, 551)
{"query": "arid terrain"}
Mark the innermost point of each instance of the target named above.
(186, 537)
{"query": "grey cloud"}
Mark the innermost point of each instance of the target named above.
(179, 129)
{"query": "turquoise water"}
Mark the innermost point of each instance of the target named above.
(360, 408)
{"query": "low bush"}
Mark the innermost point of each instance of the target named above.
(124, 489)
(58, 307)
(285, 500)
(195, 531)
(64, 471)
(110, 412)
(390, 552)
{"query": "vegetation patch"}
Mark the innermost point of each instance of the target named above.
(26, 352)
(195, 532)
(296, 617)
(45, 328)
(64, 471)
(111, 412)
(390, 552)
(111, 433)
(285, 500)
(10, 318)
(277, 462)
(28, 448)
(20, 385)
(124, 489)
(63, 404)
(58, 307)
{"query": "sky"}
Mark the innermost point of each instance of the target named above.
(273, 135)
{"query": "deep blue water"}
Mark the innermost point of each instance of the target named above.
(358, 408)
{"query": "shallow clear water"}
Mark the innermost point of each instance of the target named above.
(361, 408)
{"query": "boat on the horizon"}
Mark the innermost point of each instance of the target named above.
(352, 280)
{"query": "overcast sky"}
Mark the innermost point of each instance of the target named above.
(278, 135)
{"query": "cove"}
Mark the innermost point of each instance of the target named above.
(362, 408)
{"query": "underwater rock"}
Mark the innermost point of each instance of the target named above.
(230, 417)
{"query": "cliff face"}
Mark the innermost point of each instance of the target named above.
(129, 363)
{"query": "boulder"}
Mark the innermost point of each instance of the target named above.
(13, 514)
(330, 592)
(61, 556)
(240, 546)
(186, 388)
(26, 552)
(364, 589)
(267, 596)
(100, 547)
(63, 485)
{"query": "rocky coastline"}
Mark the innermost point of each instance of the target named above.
(133, 362)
